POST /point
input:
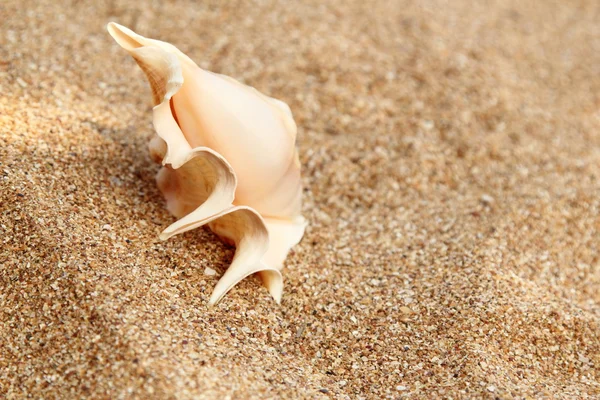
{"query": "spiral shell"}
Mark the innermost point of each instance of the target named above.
(228, 160)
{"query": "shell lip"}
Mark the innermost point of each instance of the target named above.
(218, 295)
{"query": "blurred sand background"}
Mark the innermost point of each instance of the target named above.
(451, 162)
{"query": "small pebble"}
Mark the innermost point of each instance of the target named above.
(486, 199)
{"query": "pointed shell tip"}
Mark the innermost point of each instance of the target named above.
(164, 236)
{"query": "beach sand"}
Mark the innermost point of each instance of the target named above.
(451, 164)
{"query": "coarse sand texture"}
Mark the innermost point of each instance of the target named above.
(450, 158)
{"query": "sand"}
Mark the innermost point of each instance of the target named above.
(451, 162)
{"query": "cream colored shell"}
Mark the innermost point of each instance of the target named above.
(228, 160)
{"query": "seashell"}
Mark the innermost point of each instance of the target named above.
(228, 159)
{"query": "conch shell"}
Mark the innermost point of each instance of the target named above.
(228, 160)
